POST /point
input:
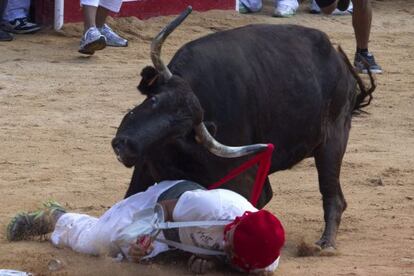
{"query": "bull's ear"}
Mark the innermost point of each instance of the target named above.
(149, 79)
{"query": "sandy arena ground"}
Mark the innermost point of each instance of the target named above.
(59, 111)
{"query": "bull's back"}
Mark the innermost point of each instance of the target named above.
(264, 83)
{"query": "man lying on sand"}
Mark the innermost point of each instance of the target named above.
(250, 240)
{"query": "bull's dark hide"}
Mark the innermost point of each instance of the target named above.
(280, 84)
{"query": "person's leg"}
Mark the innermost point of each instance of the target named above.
(4, 36)
(92, 39)
(101, 15)
(89, 17)
(285, 8)
(112, 38)
(16, 17)
(3, 5)
(361, 21)
(16, 9)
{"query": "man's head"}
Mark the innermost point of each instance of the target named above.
(254, 240)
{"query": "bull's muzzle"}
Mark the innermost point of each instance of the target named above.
(122, 149)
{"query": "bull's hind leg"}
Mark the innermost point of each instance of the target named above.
(328, 159)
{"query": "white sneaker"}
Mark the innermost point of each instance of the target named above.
(92, 41)
(286, 8)
(112, 39)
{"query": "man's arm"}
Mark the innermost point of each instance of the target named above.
(168, 207)
(143, 245)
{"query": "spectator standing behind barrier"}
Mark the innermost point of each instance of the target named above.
(97, 35)
(4, 36)
(361, 21)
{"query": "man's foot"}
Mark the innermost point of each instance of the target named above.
(243, 9)
(112, 39)
(92, 41)
(5, 36)
(21, 26)
(343, 5)
(283, 10)
(27, 225)
(364, 60)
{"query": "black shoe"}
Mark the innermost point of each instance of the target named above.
(5, 36)
(364, 60)
(343, 5)
(21, 26)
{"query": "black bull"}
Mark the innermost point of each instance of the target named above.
(279, 84)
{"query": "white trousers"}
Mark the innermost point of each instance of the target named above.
(256, 5)
(16, 9)
(90, 235)
(112, 5)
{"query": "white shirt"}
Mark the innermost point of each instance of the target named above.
(203, 205)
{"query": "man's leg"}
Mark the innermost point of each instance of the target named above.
(101, 15)
(77, 231)
(361, 21)
(89, 17)
(16, 9)
(16, 17)
(92, 39)
(4, 36)
(112, 38)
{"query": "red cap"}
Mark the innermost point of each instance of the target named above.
(257, 241)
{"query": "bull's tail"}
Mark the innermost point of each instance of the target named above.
(364, 96)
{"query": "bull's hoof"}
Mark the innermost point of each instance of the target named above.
(314, 249)
(328, 252)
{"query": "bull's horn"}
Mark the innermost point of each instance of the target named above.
(159, 40)
(205, 138)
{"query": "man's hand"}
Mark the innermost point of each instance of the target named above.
(142, 247)
(200, 265)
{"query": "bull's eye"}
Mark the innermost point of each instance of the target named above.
(154, 101)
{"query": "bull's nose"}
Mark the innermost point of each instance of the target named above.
(118, 143)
